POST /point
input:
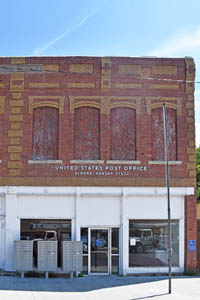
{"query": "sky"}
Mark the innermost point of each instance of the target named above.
(165, 28)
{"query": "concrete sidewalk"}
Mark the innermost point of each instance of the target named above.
(100, 288)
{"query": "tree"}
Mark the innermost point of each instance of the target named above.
(198, 172)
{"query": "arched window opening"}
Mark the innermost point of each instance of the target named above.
(45, 133)
(87, 133)
(123, 133)
(158, 150)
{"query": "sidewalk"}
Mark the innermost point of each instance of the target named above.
(100, 288)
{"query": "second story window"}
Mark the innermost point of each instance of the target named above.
(158, 150)
(45, 134)
(87, 133)
(123, 133)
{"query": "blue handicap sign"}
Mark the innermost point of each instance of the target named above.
(99, 242)
(84, 239)
(191, 245)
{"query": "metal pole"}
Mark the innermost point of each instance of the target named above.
(168, 196)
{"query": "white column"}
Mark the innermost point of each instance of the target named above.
(2, 233)
(124, 233)
(12, 226)
(77, 222)
(182, 235)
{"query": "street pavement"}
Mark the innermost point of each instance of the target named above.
(99, 288)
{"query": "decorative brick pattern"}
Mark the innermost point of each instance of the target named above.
(14, 149)
(190, 75)
(171, 102)
(97, 84)
(46, 101)
(2, 85)
(15, 125)
(17, 82)
(14, 141)
(16, 110)
(15, 118)
(130, 69)
(164, 70)
(15, 156)
(190, 201)
(81, 68)
(51, 68)
(14, 133)
(165, 86)
(44, 85)
(128, 85)
(18, 61)
(105, 103)
(106, 74)
(2, 103)
(16, 96)
(16, 103)
(94, 181)
(84, 85)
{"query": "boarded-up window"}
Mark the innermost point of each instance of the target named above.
(87, 133)
(123, 134)
(158, 148)
(45, 133)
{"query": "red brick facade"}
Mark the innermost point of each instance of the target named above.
(79, 108)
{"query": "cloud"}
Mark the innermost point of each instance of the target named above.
(186, 42)
(77, 24)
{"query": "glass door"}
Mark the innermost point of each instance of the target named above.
(99, 258)
(100, 250)
(114, 250)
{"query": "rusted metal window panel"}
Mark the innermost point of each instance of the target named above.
(123, 134)
(87, 133)
(45, 133)
(158, 150)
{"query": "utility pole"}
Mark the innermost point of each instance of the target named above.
(167, 175)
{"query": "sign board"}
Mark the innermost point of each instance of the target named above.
(84, 239)
(191, 245)
(99, 242)
(132, 241)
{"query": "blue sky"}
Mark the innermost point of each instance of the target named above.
(167, 28)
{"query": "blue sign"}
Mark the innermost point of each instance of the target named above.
(99, 242)
(191, 245)
(84, 239)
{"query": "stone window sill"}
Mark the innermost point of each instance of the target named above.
(124, 162)
(48, 161)
(77, 161)
(162, 162)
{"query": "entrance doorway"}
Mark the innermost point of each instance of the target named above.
(100, 250)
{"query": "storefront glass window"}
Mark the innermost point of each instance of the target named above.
(148, 243)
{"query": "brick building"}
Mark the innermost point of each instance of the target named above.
(82, 153)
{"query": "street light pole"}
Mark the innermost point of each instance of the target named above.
(168, 195)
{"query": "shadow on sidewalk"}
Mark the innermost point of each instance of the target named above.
(84, 284)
